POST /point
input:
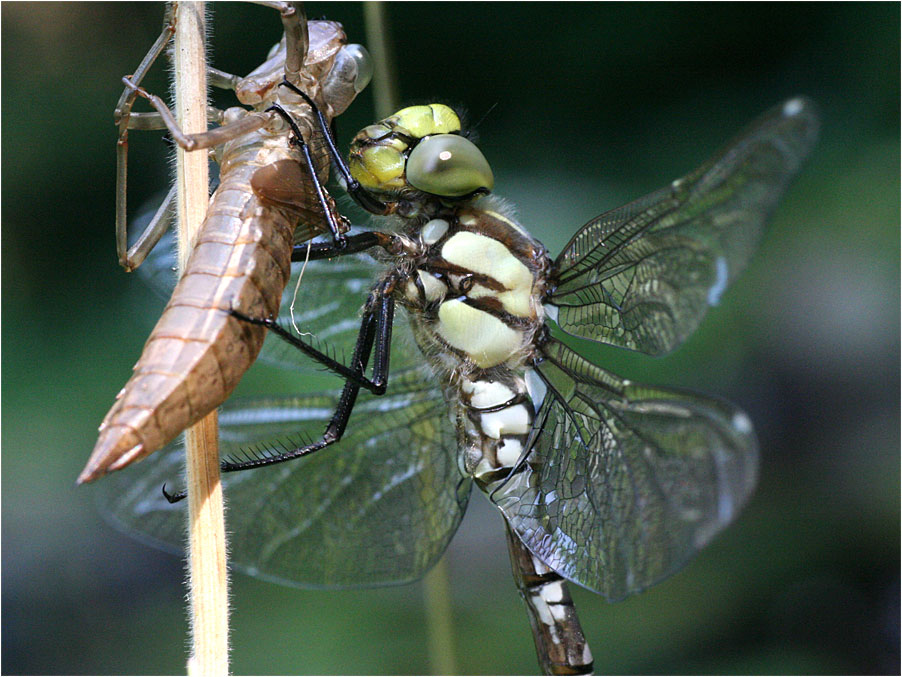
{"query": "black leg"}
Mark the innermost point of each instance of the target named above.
(382, 350)
(377, 319)
(374, 330)
(353, 245)
(362, 196)
(298, 140)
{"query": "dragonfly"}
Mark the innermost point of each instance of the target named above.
(602, 481)
(263, 205)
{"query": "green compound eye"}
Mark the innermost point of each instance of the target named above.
(448, 165)
(421, 121)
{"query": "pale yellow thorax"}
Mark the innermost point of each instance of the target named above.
(489, 257)
(483, 337)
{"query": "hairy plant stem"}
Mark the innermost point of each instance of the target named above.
(208, 579)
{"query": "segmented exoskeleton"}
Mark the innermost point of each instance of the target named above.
(265, 203)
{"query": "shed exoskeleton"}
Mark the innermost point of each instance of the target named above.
(266, 202)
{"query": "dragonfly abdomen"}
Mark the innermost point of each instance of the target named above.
(496, 418)
(560, 642)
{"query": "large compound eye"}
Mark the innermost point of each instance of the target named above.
(448, 165)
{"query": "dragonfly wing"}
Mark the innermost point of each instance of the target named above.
(327, 307)
(642, 276)
(159, 270)
(379, 507)
(625, 482)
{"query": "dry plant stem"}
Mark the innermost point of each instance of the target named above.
(208, 580)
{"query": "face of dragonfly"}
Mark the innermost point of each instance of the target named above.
(419, 150)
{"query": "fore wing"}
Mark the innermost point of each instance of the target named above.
(642, 276)
(379, 507)
(625, 482)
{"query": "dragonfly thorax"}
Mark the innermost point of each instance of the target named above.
(472, 281)
(474, 291)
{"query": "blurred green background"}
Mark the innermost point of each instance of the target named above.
(582, 108)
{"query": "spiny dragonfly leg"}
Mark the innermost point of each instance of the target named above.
(362, 196)
(379, 316)
(352, 245)
(375, 338)
(375, 331)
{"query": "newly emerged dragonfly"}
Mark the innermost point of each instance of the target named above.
(602, 481)
(265, 203)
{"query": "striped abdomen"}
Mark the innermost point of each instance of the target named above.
(557, 633)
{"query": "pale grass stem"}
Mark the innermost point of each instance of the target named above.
(208, 580)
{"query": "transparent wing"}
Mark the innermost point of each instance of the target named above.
(327, 309)
(159, 270)
(625, 482)
(642, 276)
(379, 507)
(327, 305)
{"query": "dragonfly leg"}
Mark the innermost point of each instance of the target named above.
(131, 258)
(298, 140)
(375, 337)
(164, 119)
(126, 120)
(213, 137)
(149, 237)
(123, 119)
(362, 196)
(221, 79)
(297, 40)
(353, 245)
(377, 319)
(294, 22)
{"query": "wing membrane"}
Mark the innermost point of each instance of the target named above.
(625, 482)
(378, 507)
(642, 276)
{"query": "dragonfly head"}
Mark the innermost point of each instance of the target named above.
(419, 148)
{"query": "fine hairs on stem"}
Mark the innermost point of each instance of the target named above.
(208, 580)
